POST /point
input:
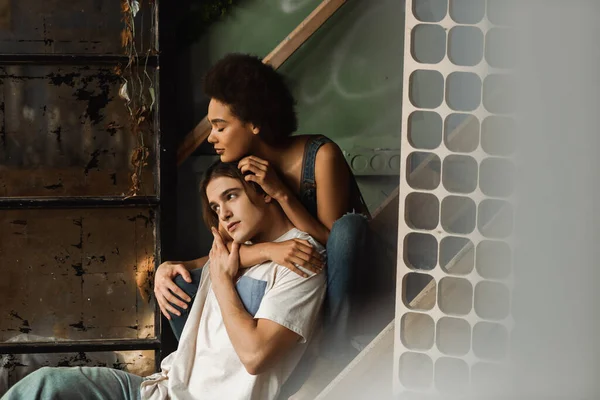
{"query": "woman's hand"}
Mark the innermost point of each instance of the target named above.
(294, 253)
(165, 289)
(263, 174)
(224, 264)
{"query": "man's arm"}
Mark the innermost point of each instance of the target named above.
(258, 343)
(286, 314)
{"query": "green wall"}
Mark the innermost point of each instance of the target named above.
(347, 78)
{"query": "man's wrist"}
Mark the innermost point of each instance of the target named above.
(223, 279)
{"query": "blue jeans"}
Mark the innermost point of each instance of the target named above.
(178, 322)
(345, 249)
(250, 290)
(76, 383)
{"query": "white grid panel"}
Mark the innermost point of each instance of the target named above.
(453, 336)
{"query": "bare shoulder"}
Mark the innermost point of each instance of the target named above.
(330, 154)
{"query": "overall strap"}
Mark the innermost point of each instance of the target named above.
(308, 191)
(310, 156)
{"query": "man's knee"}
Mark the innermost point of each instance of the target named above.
(349, 230)
(190, 288)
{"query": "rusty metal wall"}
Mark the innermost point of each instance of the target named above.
(63, 27)
(65, 132)
(77, 274)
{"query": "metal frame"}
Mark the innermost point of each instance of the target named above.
(168, 14)
(72, 59)
(77, 202)
(425, 306)
(79, 346)
(162, 203)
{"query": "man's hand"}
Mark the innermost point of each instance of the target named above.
(296, 252)
(223, 263)
(165, 288)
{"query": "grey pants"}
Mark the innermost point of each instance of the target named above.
(76, 383)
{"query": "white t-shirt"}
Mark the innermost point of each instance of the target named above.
(205, 365)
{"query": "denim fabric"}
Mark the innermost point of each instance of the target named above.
(76, 383)
(250, 290)
(178, 322)
(345, 248)
(308, 190)
(345, 253)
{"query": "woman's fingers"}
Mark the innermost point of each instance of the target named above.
(305, 247)
(258, 165)
(254, 159)
(252, 168)
(295, 269)
(297, 261)
(308, 258)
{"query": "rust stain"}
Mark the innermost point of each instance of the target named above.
(64, 79)
(79, 326)
(148, 220)
(79, 271)
(57, 132)
(25, 328)
(94, 162)
(56, 186)
(97, 101)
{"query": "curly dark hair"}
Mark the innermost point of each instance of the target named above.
(255, 93)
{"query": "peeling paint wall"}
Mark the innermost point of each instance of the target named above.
(73, 274)
(64, 131)
(77, 274)
(61, 27)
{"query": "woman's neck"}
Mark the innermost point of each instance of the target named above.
(276, 155)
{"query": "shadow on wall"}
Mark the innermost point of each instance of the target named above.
(347, 79)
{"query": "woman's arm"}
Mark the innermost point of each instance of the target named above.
(333, 191)
(290, 254)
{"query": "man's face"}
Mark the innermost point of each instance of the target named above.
(240, 213)
(231, 138)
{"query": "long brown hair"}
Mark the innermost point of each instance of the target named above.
(216, 170)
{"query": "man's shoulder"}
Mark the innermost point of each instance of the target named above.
(276, 274)
(296, 233)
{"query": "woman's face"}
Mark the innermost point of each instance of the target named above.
(231, 138)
